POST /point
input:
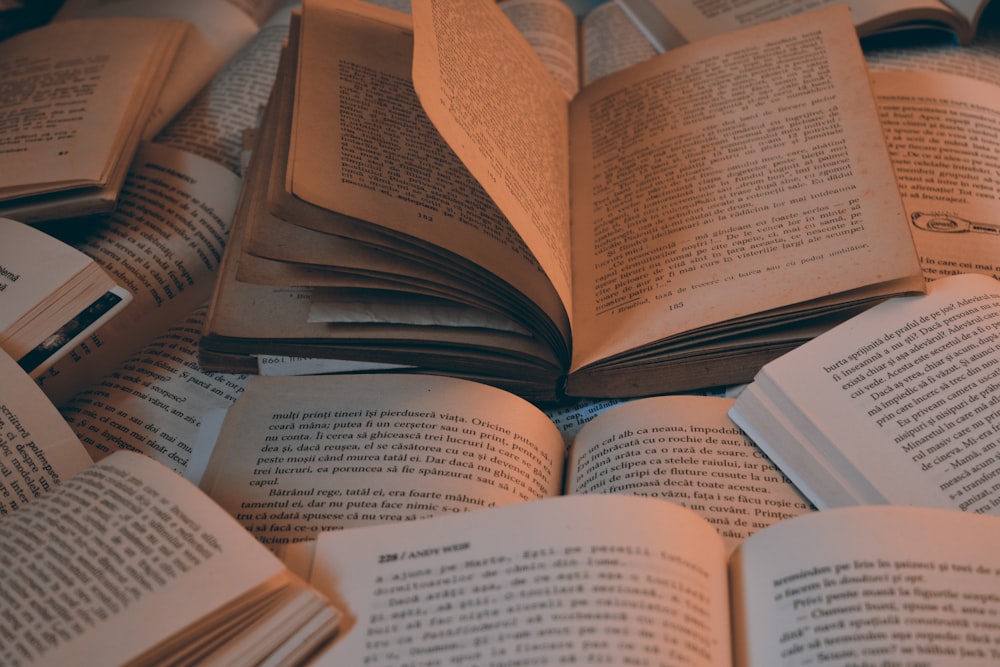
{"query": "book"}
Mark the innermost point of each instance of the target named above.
(669, 24)
(651, 298)
(81, 94)
(37, 448)
(299, 455)
(52, 296)
(938, 108)
(622, 580)
(218, 29)
(123, 562)
(898, 405)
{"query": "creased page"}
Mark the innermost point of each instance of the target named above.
(504, 116)
(869, 586)
(686, 450)
(943, 133)
(716, 181)
(297, 456)
(598, 580)
(37, 449)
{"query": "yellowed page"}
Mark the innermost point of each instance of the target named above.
(550, 27)
(714, 182)
(37, 449)
(869, 585)
(504, 117)
(155, 401)
(897, 405)
(212, 125)
(218, 30)
(163, 244)
(135, 541)
(82, 88)
(610, 580)
(686, 450)
(297, 456)
(944, 138)
(378, 158)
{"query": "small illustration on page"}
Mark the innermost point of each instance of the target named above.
(951, 224)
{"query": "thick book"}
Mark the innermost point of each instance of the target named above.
(898, 405)
(52, 296)
(123, 562)
(78, 94)
(671, 23)
(619, 580)
(299, 455)
(724, 208)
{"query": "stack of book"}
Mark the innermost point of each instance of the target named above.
(439, 231)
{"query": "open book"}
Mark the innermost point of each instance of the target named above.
(296, 456)
(218, 28)
(671, 23)
(898, 405)
(125, 562)
(79, 94)
(622, 580)
(724, 208)
(51, 296)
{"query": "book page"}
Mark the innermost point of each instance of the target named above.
(51, 296)
(714, 182)
(37, 449)
(504, 117)
(551, 29)
(611, 580)
(943, 133)
(34, 267)
(301, 455)
(218, 30)
(978, 60)
(154, 402)
(127, 540)
(698, 19)
(610, 41)
(406, 181)
(897, 405)
(212, 125)
(80, 86)
(869, 586)
(686, 450)
(163, 243)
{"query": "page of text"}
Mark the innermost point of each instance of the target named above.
(589, 580)
(870, 586)
(686, 450)
(943, 133)
(717, 181)
(300, 455)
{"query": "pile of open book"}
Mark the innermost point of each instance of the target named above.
(483, 235)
